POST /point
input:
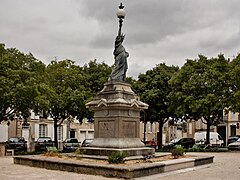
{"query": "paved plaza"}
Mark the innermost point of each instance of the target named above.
(226, 166)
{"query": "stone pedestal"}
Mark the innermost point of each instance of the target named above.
(117, 121)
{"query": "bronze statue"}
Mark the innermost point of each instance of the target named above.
(120, 54)
(120, 65)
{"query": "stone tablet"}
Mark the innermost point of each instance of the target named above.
(106, 129)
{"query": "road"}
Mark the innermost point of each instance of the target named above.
(226, 166)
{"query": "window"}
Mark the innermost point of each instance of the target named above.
(233, 116)
(151, 127)
(42, 130)
(190, 128)
(59, 133)
(72, 133)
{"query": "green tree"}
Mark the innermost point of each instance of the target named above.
(235, 84)
(201, 90)
(20, 81)
(70, 87)
(153, 89)
(68, 92)
(96, 75)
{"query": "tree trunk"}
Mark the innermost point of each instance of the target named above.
(159, 139)
(208, 132)
(55, 133)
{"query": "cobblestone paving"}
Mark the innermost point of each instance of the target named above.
(226, 166)
(10, 171)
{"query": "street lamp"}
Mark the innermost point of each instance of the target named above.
(121, 15)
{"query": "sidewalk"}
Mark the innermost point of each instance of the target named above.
(10, 171)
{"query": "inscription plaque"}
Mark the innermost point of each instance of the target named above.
(129, 129)
(106, 129)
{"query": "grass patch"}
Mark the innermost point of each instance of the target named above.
(53, 154)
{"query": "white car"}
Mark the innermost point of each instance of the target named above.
(235, 145)
(174, 140)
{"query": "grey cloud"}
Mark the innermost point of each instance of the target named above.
(151, 21)
(156, 31)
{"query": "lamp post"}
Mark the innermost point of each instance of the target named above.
(121, 15)
(144, 133)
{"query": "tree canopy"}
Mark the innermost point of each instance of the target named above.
(153, 89)
(59, 90)
(201, 90)
(20, 81)
(235, 84)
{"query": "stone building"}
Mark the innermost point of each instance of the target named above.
(170, 131)
(40, 127)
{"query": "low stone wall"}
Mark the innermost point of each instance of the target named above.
(202, 160)
(109, 170)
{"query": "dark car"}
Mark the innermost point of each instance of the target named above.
(70, 144)
(87, 142)
(232, 139)
(42, 143)
(185, 142)
(16, 143)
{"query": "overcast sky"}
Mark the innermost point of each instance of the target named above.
(156, 31)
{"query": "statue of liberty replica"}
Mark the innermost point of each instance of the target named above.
(120, 56)
(117, 109)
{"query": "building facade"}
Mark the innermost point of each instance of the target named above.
(41, 127)
(170, 131)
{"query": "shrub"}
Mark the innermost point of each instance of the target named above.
(196, 148)
(177, 151)
(205, 148)
(117, 157)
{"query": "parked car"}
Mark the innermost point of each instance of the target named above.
(174, 140)
(235, 145)
(232, 139)
(16, 143)
(86, 142)
(70, 144)
(42, 143)
(185, 142)
(215, 138)
(151, 143)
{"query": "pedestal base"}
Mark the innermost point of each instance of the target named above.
(107, 151)
(118, 143)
